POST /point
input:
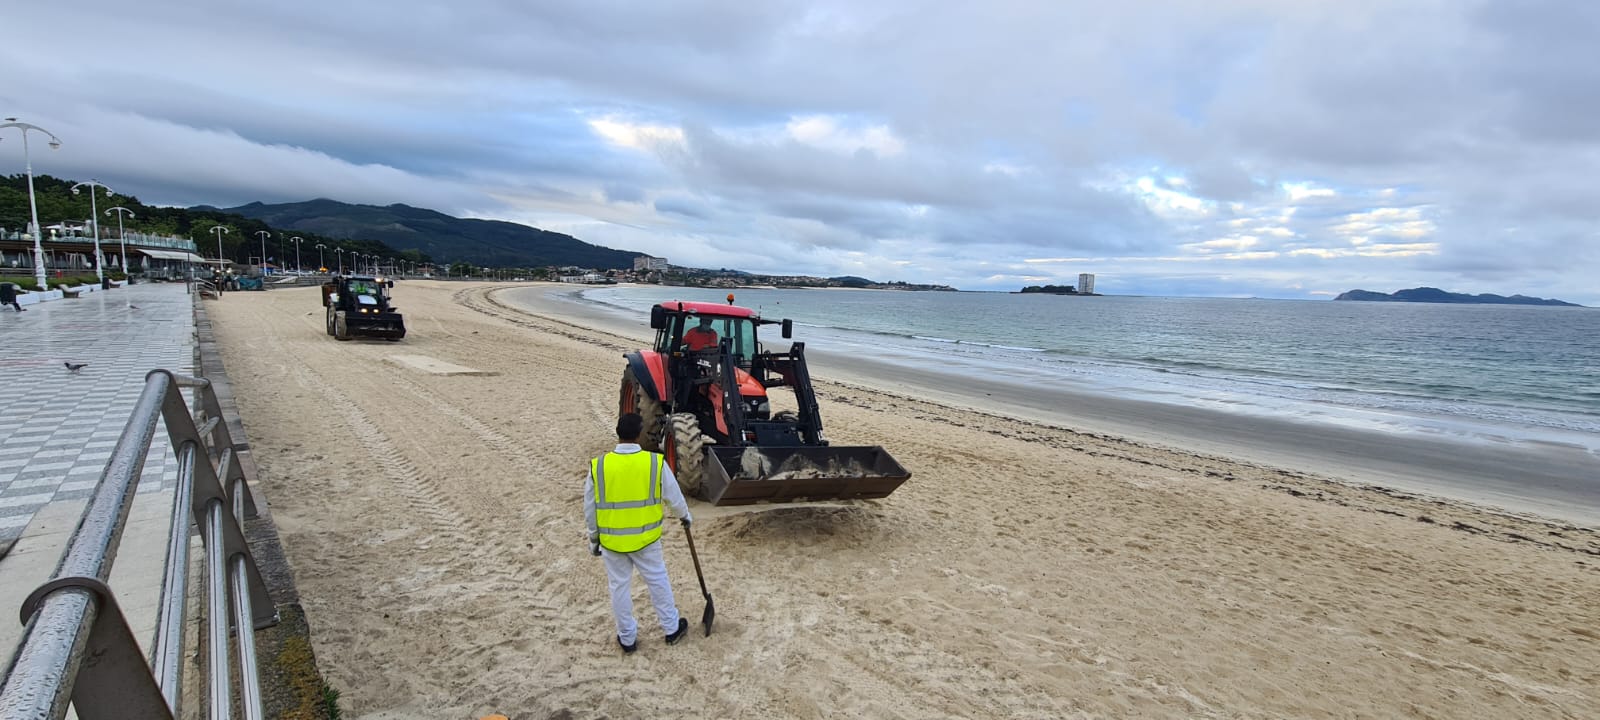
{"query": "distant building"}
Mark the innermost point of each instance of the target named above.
(647, 263)
(1085, 283)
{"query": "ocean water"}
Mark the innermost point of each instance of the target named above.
(1490, 373)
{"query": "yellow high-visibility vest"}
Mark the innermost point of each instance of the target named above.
(627, 499)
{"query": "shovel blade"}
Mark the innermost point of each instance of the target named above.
(710, 614)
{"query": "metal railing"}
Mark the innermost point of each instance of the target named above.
(77, 646)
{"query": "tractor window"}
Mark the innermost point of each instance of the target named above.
(743, 334)
(685, 332)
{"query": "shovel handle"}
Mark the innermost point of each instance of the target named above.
(688, 535)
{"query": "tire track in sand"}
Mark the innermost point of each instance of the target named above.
(463, 535)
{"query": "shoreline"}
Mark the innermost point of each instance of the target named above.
(1548, 481)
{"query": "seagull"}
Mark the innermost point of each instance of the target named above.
(74, 367)
(135, 307)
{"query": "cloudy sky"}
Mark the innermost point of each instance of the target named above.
(1217, 147)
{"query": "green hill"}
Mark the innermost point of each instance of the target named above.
(1435, 295)
(479, 242)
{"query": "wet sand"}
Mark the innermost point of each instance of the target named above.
(1027, 569)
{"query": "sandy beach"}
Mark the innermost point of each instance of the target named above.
(1031, 568)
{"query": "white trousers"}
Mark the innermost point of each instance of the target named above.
(651, 566)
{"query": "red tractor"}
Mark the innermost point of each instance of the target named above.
(703, 392)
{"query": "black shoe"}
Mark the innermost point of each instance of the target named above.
(683, 629)
(628, 649)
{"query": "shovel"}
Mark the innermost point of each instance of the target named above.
(711, 607)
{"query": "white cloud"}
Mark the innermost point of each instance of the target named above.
(829, 132)
(637, 136)
(1300, 191)
(1169, 203)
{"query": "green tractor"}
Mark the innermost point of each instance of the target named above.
(359, 306)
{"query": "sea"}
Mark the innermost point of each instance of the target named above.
(1479, 373)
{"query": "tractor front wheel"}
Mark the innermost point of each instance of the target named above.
(635, 399)
(341, 331)
(688, 452)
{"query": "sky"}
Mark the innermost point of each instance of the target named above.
(1233, 148)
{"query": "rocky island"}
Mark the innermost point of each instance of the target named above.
(1056, 290)
(1435, 295)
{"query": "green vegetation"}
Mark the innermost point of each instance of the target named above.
(479, 243)
(1052, 289)
(314, 698)
(1435, 295)
(57, 204)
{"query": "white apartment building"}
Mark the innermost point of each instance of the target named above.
(1086, 283)
(645, 263)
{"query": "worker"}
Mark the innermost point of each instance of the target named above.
(701, 337)
(8, 296)
(622, 505)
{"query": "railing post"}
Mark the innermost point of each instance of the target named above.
(207, 487)
(166, 658)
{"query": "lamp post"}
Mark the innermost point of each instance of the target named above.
(33, 206)
(321, 266)
(339, 251)
(219, 230)
(122, 235)
(263, 235)
(94, 222)
(297, 240)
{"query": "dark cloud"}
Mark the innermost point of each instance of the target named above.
(682, 206)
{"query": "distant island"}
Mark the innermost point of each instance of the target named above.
(1435, 295)
(1055, 290)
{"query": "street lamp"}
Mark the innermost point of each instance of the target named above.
(297, 240)
(321, 266)
(94, 219)
(263, 235)
(219, 230)
(122, 236)
(33, 207)
(339, 251)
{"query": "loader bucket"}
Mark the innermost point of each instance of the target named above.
(379, 325)
(744, 475)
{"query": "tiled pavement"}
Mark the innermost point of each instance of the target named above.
(57, 427)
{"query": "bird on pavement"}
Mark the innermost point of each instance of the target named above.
(74, 367)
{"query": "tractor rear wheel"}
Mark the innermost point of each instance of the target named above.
(688, 445)
(635, 399)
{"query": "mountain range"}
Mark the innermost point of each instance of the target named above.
(491, 243)
(1435, 295)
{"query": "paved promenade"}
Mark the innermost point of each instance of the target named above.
(57, 426)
